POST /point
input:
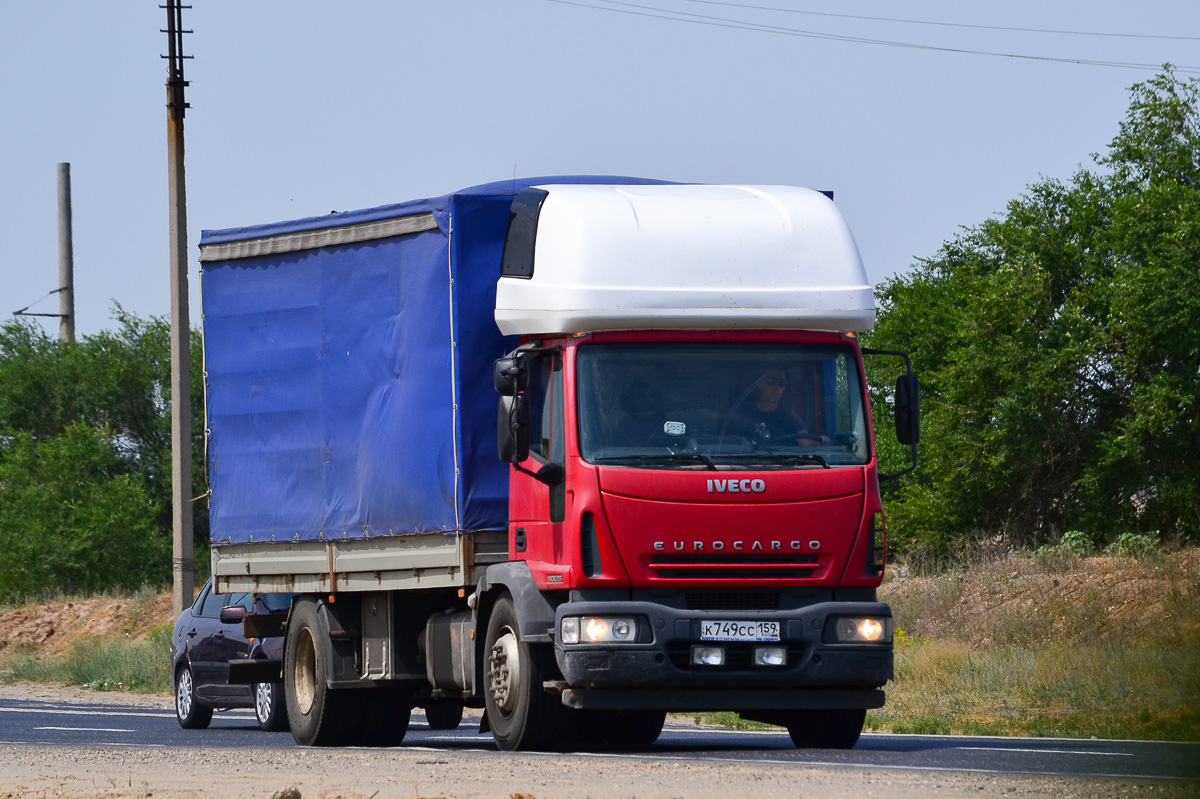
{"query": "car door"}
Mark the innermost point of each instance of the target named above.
(227, 643)
(202, 642)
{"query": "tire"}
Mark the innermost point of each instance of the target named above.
(188, 710)
(826, 729)
(444, 715)
(385, 720)
(523, 717)
(270, 706)
(622, 729)
(317, 715)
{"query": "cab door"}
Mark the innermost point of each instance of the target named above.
(537, 509)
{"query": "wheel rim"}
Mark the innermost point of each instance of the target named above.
(183, 694)
(264, 700)
(504, 671)
(304, 672)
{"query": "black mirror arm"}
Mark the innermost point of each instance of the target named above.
(909, 371)
(550, 474)
(906, 470)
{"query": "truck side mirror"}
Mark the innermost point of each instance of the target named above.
(511, 375)
(512, 428)
(908, 409)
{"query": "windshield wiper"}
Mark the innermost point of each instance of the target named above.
(808, 457)
(666, 456)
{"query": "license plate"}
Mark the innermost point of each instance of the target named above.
(739, 631)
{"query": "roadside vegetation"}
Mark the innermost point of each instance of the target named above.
(107, 642)
(1050, 643)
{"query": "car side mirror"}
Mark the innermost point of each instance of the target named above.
(232, 614)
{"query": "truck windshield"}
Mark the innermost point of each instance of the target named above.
(721, 406)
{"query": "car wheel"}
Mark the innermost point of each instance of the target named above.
(191, 714)
(522, 716)
(444, 715)
(826, 729)
(270, 708)
(317, 714)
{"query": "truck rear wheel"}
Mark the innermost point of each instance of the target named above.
(826, 729)
(521, 714)
(444, 715)
(318, 715)
(385, 720)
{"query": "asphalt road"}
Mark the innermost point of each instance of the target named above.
(32, 722)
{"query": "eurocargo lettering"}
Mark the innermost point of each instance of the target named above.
(685, 512)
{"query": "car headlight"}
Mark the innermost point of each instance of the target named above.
(598, 630)
(871, 629)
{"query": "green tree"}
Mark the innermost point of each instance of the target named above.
(115, 383)
(1057, 347)
(74, 519)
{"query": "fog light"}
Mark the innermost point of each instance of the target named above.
(708, 655)
(570, 631)
(770, 656)
(870, 630)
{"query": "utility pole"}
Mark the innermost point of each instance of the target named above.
(66, 258)
(183, 560)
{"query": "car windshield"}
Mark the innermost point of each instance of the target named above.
(276, 602)
(721, 406)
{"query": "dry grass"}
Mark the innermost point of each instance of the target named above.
(1106, 647)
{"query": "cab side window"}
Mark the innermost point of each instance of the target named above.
(545, 395)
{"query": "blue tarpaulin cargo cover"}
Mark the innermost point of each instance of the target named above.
(348, 370)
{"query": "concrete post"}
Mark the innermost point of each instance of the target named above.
(66, 258)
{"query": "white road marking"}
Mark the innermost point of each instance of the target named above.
(110, 743)
(52, 712)
(1043, 751)
(165, 714)
(859, 766)
(84, 729)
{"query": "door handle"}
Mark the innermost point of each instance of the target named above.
(191, 633)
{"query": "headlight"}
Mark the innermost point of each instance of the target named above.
(598, 630)
(856, 630)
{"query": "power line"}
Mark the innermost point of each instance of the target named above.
(946, 24)
(654, 12)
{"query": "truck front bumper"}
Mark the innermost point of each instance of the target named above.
(657, 672)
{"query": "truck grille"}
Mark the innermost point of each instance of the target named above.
(732, 600)
(761, 567)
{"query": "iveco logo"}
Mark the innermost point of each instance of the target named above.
(737, 486)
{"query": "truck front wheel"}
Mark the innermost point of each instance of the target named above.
(318, 715)
(521, 714)
(826, 729)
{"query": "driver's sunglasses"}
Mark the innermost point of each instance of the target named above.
(776, 381)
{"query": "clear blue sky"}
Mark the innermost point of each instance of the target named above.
(300, 108)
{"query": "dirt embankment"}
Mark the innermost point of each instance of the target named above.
(55, 627)
(1024, 601)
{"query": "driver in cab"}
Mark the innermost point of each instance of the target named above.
(768, 420)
